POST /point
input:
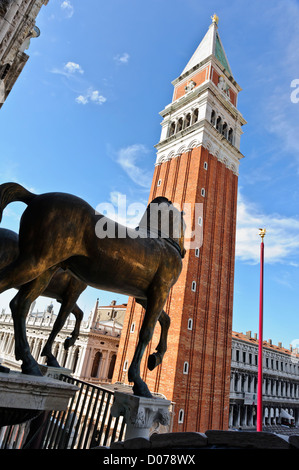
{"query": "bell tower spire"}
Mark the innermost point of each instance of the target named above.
(198, 157)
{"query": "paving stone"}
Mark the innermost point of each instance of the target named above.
(117, 445)
(179, 439)
(243, 439)
(137, 443)
(294, 441)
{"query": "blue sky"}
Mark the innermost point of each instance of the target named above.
(83, 118)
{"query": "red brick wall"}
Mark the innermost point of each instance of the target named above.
(198, 78)
(215, 79)
(203, 393)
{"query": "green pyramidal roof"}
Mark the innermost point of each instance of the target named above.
(210, 45)
(220, 54)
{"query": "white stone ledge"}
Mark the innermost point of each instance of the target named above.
(21, 391)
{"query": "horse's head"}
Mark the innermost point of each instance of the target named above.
(162, 219)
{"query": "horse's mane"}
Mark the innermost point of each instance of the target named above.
(144, 222)
(159, 200)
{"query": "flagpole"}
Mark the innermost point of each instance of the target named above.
(260, 351)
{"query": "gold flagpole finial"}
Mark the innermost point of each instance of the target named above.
(215, 18)
(262, 233)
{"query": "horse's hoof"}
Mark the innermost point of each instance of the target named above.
(153, 361)
(142, 391)
(52, 362)
(68, 343)
(31, 369)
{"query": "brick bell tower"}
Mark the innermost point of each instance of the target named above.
(197, 163)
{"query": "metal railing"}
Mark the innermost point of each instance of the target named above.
(87, 423)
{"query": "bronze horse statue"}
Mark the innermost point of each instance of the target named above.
(61, 231)
(63, 287)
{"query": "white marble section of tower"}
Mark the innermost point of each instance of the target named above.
(204, 106)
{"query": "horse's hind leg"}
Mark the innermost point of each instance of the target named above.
(20, 305)
(68, 305)
(70, 341)
(155, 304)
(156, 358)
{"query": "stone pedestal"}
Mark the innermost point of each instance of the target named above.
(140, 413)
(3, 368)
(25, 396)
(53, 372)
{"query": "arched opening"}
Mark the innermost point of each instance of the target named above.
(230, 135)
(96, 364)
(188, 120)
(111, 366)
(172, 129)
(213, 118)
(180, 125)
(219, 124)
(195, 116)
(224, 130)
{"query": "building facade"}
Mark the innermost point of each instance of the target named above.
(92, 358)
(280, 383)
(17, 28)
(197, 166)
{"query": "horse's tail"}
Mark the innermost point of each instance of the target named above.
(11, 192)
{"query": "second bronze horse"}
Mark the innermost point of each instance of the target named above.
(62, 287)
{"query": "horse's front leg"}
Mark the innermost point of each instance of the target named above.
(20, 305)
(155, 304)
(157, 357)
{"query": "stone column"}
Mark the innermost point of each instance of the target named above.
(78, 370)
(231, 414)
(69, 359)
(140, 413)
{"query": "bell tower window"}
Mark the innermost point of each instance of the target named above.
(224, 130)
(188, 120)
(172, 129)
(219, 124)
(195, 116)
(213, 118)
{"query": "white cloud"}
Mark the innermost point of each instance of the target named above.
(281, 241)
(73, 71)
(121, 210)
(81, 99)
(68, 8)
(122, 58)
(92, 96)
(127, 158)
(72, 67)
(97, 98)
